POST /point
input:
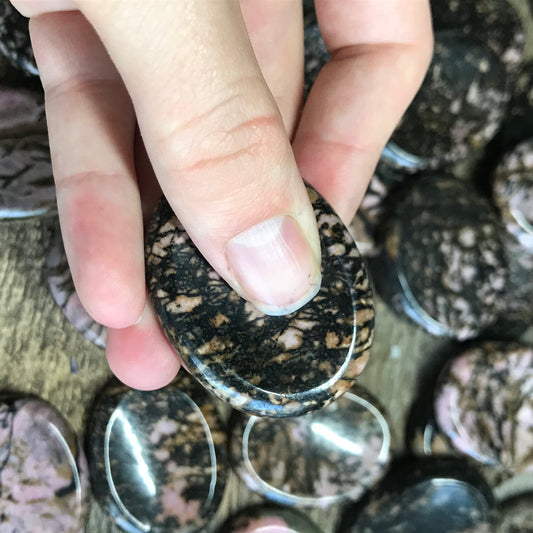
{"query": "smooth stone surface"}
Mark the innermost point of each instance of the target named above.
(157, 459)
(64, 293)
(269, 519)
(43, 471)
(26, 178)
(458, 109)
(516, 515)
(15, 42)
(495, 23)
(445, 265)
(329, 456)
(484, 405)
(264, 365)
(513, 193)
(431, 495)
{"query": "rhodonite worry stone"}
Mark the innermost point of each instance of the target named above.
(329, 456)
(44, 480)
(157, 459)
(264, 365)
(269, 519)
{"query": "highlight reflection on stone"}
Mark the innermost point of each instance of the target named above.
(265, 365)
(43, 472)
(329, 456)
(157, 459)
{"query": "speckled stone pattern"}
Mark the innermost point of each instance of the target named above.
(15, 42)
(513, 193)
(494, 22)
(26, 179)
(443, 240)
(269, 519)
(329, 456)
(64, 293)
(263, 365)
(484, 405)
(316, 54)
(458, 109)
(44, 481)
(157, 459)
(437, 495)
(516, 515)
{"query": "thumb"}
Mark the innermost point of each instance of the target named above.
(217, 143)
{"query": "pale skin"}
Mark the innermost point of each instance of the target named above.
(201, 99)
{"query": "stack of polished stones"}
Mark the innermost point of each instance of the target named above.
(446, 229)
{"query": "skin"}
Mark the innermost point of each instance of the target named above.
(201, 99)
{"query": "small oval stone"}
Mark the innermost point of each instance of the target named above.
(157, 459)
(44, 475)
(64, 293)
(264, 365)
(437, 495)
(26, 179)
(326, 457)
(456, 112)
(444, 264)
(269, 519)
(513, 193)
(484, 404)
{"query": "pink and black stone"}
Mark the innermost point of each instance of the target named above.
(157, 459)
(64, 293)
(444, 263)
(456, 112)
(44, 482)
(263, 365)
(326, 457)
(269, 519)
(513, 193)
(437, 495)
(15, 42)
(484, 405)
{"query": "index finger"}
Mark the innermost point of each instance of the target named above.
(380, 51)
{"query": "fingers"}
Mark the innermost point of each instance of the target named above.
(91, 128)
(380, 53)
(217, 142)
(140, 356)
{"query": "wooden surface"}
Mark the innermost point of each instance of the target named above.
(37, 347)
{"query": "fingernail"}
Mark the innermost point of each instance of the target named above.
(274, 266)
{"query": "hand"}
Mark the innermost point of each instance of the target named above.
(214, 88)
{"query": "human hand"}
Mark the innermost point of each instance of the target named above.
(214, 89)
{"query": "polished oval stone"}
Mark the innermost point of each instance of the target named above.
(516, 515)
(15, 42)
(269, 519)
(495, 23)
(157, 459)
(484, 404)
(430, 495)
(64, 293)
(264, 365)
(458, 109)
(329, 456)
(444, 265)
(43, 470)
(513, 193)
(26, 178)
